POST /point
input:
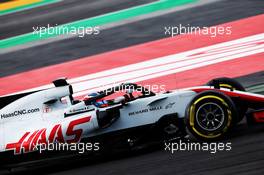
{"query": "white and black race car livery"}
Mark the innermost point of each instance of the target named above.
(52, 115)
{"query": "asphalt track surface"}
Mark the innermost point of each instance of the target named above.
(65, 11)
(247, 154)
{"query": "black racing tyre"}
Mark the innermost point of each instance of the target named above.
(228, 83)
(210, 115)
(231, 84)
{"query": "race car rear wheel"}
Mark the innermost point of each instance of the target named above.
(225, 82)
(231, 84)
(210, 115)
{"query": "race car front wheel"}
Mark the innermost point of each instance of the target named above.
(210, 115)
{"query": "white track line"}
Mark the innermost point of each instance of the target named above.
(167, 65)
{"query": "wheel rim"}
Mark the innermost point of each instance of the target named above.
(210, 116)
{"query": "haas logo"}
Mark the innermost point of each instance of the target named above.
(30, 140)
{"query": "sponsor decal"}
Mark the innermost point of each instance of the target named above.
(30, 140)
(145, 110)
(79, 110)
(168, 106)
(20, 113)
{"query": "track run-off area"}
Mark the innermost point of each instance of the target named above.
(173, 62)
(97, 21)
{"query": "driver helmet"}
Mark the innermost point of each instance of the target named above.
(91, 95)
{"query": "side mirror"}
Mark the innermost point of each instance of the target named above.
(49, 102)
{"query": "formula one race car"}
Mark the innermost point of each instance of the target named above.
(137, 115)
